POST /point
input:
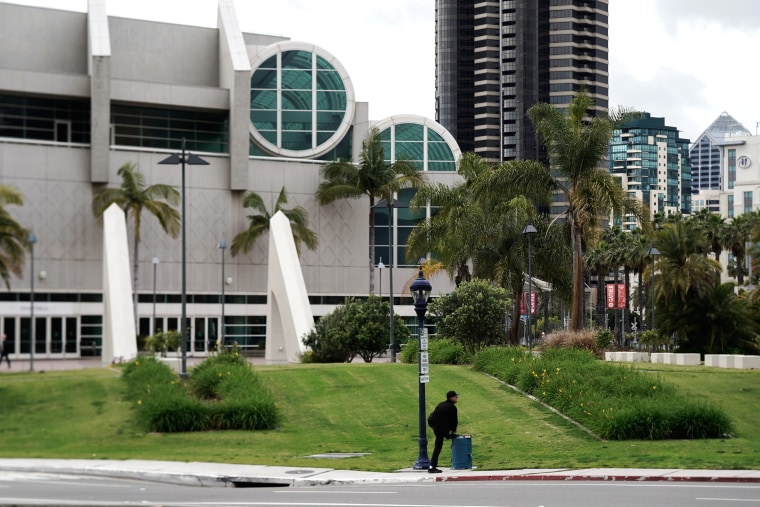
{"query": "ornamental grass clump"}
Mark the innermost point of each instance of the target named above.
(613, 401)
(222, 393)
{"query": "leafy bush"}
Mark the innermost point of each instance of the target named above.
(613, 401)
(473, 314)
(440, 351)
(223, 392)
(356, 328)
(163, 341)
(603, 339)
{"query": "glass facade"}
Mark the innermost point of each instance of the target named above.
(299, 104)
(149, 127)
(60, 119)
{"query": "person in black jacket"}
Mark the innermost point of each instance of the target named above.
(444, 421)
(5, 350)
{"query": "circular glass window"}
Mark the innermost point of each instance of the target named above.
(302, 101)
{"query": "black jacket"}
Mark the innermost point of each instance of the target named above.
(444, 419)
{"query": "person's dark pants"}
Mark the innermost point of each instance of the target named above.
(439, 438)
(5, 355)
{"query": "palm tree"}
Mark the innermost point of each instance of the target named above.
(259, 223)
(372, 177)
(576, 147)
(736, 234)
(134, 197)
(713, 228)
(13, 237)
(450, 232)
(681, 266)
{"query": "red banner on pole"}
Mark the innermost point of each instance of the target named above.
(524, 303)
(610, 290)
(621, 295)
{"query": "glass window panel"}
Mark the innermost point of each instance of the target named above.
(296, 140)
(410, 151)
(331, 101)
(435, 136)
(329, 120)
(263, 99)
(296, 60)
(269, 135)
(296, 120)
(323, 64)
(323, 137)
(294, 100)
(329, 80)
(385, 135)
(264, 79)
(269, 63)
(439, 151)
(409, 132)
(442, 166)
(296, 80)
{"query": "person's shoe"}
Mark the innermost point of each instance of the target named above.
(432, 470)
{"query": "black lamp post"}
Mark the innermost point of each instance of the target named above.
(529, 231)
(222, 246)
(31, 239)
(381, 267)
(390, 203)
(183, 159)
(420, 290)
(653, 251)
(155, 264)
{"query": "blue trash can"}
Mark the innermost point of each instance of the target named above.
(461, 452)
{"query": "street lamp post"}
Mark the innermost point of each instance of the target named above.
(381, 267)
(529, 231)
(31, 239)
(653, 252)
(184, 158)
(155, 264)
(222, 246)
(420, 290)
(390, 203)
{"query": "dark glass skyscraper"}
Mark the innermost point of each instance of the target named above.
(496, 59)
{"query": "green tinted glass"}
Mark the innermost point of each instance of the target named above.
(331, 101)
(329, 120)
(296, 80)
(264, 79)
(439, 151)
(435, 136)
(269, 63)
(329, 80)
(296, 120)
(409, 132)
(296, 100)
(297, 141)
(296, 60)
(442, 166)
(263, 99)
(411, 151)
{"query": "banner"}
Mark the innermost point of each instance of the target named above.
(524, 301)
(610, 290)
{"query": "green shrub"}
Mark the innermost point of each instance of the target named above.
(163, 342)
(615, 402)
(223, 392)
(440, 351)
(603, 339)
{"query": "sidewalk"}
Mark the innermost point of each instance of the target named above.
(223, 475)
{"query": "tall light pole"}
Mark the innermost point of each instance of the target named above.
(420, 290)
(31, 239)
(222, 246)
(653, 251)
(390, 203)
(529, 231)
(155, 264)
(184, 158)
(381, 267)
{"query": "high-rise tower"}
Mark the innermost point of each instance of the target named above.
(494, 60)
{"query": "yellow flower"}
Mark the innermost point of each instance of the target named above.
(654, 388)
(139, 402)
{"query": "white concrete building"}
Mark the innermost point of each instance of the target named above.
(81, 94)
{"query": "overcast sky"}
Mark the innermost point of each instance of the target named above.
(684, 60)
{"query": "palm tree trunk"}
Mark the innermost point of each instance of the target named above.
(134, 284)
(576, 315)
(372, 244)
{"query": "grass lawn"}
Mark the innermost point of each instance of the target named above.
(371, 408)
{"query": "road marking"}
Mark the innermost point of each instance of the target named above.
(754, 500)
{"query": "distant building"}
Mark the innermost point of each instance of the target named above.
(495, 60)
(705, 152)
(741, 163)
(652, 161)
(705, 199)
